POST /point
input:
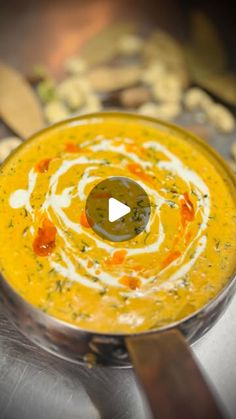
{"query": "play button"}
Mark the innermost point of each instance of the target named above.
(118, 209)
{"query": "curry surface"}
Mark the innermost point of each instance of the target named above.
(53, 259)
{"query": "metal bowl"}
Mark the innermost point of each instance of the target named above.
(78, 345)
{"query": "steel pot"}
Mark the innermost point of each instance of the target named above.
(162, 358)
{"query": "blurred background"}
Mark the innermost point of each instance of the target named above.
(163, 58)
(49, 31)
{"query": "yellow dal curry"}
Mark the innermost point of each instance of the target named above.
(53, 259)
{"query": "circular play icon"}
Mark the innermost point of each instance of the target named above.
(118, 209)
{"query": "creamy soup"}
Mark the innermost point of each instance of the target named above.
(52, 257)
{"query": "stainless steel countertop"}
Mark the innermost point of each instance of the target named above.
(35, 384)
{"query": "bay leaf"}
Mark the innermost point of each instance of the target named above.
(207, 42)
(107, 79)
(19, 106)
(101, 47)
(205, 52)
(198, 69)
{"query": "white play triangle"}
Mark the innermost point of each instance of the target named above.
(116, 210)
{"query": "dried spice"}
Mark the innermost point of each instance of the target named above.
(93, 104)
(166, 110)
(19, 106)
(144, 74)
(119, 68)
(72, 92)
(167, 88)
(56, 111)
(221, 118)
(152, 72)
(107, 79)
(196, 98)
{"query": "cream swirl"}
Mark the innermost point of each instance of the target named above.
(74, 262)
